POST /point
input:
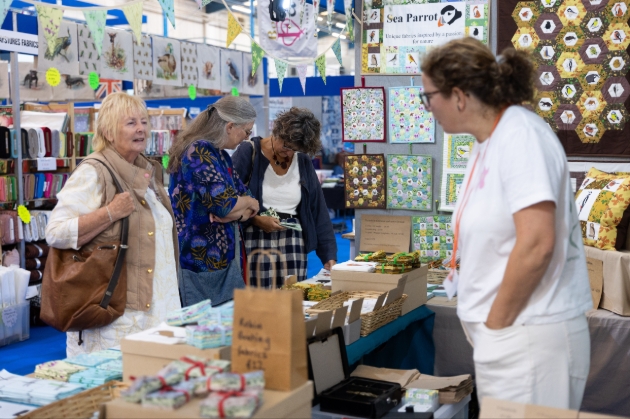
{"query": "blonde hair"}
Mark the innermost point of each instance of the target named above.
(113, 110)
(210, 125)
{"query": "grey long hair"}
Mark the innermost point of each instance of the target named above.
(210, 125)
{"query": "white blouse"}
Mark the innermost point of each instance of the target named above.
(282, 193)
(81, 195)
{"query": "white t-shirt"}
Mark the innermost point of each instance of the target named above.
(524, 165)
(282, 193)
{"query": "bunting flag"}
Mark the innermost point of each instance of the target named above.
(302, 75)
(233, 29)
(50, 21)
(205, 2)
(320, 62)
(347, 4)
(133, 13)
(257, 56)
(4, 9)
(96, 24)
(336, 47)
(281, 69)
(169, 10)
(198, 3)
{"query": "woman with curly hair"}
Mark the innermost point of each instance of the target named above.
(281, 177)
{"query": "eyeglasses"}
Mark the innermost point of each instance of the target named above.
(425, 97)
(248, 132)
(286, 147)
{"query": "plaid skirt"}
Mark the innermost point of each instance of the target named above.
(290, 244)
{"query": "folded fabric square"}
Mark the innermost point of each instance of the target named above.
(194, 367)
(231, 404)
(56, 370)
(205, 337)
(254, 380)
(170, 397)
(148, 384)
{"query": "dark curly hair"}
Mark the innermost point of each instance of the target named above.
(469, 65)
(299, 129)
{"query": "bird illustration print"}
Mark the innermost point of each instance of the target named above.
(614, 118)
(571, 12)
(525, 14)
(476, 13)
(448, 15)
(168, 63)
(374, 61)
(411, 60)
(584, 201)
(618, 10)
(548, 24)
(373, 15)
(591, 230)
(589, 131)
(568, 91)
(617, 36)
(393, 58)
(60, 48)
(232, 71)
(372, 35)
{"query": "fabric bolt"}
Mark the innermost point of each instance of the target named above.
(41, 152)
(33, 143)
(540, 364)
(36, 250)
(282, 192)
(521, 165)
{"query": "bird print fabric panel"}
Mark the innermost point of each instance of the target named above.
(409, 182)
(89, 58)
(117, 56)
(601, 202)
(142, 58)
(189, 63)
(432, 236)
(166, 61)
(409, 121)
(365, 181)
(456, 151)
(363, 114)
(208, 67)
(252, 84)
(231, 64)
(65, 54)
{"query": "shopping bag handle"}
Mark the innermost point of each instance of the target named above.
(271, 254)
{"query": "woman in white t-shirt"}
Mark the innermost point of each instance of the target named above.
(523, 285)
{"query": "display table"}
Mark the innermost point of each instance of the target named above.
(406, 343)
(608, 385)
(353, 251)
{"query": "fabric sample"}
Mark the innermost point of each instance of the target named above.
(116, 59)
(363, 114)
(456, 151)
(433, 237)
(409, 182)
(64, 54)
(166, 61)
(89, 58)
(365, 181)
(231, 70)
(208, 67)
(189, 63)
(409, 121)
(142, 59)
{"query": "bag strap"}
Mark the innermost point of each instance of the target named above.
(251, 171)
(120, 259)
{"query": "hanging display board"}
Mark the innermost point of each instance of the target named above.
(457, 150)
(397, 36)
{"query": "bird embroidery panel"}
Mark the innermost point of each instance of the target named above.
(363, 114)
(89, 58)
(365, 181)
(252, 84)
(116, 59)
(208, 67)
(143, 58)
(432, 237)
(166, 61)
(409, 182)
(409, 121)
(231, 70)
(189, 63)
(65, 53)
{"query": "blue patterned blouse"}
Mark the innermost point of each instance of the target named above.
(205, 184)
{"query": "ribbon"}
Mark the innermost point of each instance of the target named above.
(167, 387)
(225, 396)
(195, 364)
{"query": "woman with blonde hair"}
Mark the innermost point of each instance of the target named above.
(89, 209)
(209, 200)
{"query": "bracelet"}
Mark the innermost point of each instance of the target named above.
(109, 213)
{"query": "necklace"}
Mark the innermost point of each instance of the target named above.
(282, 164)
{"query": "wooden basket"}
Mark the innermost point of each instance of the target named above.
(81, 405)
(437, 276)
(369, 321)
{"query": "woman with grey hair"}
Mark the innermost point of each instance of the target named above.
(209, 199)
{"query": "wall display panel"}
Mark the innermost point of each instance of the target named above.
(432, 236)
(456, 151)
(363, 114)
(365, 181)
(408, 120)
(409, 182)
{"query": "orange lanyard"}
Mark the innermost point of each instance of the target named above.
(467, 194)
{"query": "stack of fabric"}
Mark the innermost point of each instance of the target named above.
(206, 337)
(95, 359)
(35, 260)
(188, 315)
(57, 370)
(94, 377)
(38, 392)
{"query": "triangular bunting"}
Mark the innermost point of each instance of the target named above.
(257, 56)
(96, 24)
(4, 9)
(169, 10)
(133, 13)
(320, 62)
(336, 47)
(50, 20)
(205, 2)
(233, 29)
(302, 75)
(281, 69)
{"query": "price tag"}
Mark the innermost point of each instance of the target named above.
(46, 163)
(24, 214)
(94, 80)
(9, 316)
(165, 161)
(53, 77)
(192, 92)
(235, 91)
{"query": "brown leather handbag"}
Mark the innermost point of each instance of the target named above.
(86, 290)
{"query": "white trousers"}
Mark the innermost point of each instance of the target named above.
(543, 364)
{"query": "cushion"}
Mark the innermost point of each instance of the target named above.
(601, 202)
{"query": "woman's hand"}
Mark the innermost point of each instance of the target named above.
(328, 265)
(253, 205)
(121, 206)
(267, 224)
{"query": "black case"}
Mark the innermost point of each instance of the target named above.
(335, 391)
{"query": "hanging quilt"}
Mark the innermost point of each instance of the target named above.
(65, 53)
(166, 61)
(363, 114)
(409, 182)
(432, 236)
(142, 58)
(231, 70)
(208, 67)
(116, 60)
(580, 52)
(89, 58)
(456, 151)
(365, 181)
(189, 63)
(409, 121)
(253, 84)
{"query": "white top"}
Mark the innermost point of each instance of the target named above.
(524, 165)
(282, 193)
(82, 195)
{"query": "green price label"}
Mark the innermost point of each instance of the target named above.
(192, 92)
(235, 91)
(165, 161)
(93, 80)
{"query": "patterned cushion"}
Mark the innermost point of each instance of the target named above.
(601, 202)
